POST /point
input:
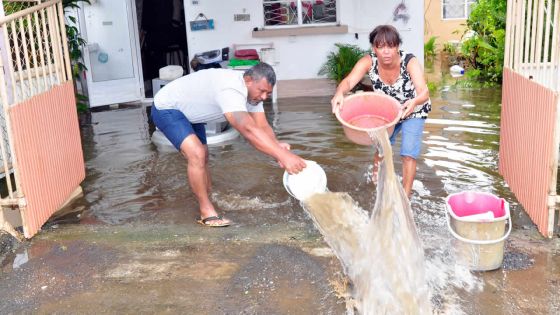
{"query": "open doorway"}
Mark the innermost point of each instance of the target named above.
(163, 38)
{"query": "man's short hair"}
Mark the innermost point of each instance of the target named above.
(262, 70)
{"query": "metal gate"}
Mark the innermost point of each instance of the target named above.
(528, 123)
(41, 155)
(530, 120)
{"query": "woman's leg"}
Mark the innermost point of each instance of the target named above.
(411, 146)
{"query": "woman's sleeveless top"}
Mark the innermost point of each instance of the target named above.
(403, 89)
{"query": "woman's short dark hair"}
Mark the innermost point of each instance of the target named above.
(262, 70)
(385, 35)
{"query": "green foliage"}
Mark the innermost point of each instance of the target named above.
(450, 48)
(81, 103)
(73, 4)
(12, 7)
(430, 48)
(432, 87)
(75, 43)
(340, 63)
(484, 50)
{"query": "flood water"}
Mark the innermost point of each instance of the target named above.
(133, 234)
(395, 281)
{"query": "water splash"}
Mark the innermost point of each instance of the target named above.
(233, 201)
(382, 255)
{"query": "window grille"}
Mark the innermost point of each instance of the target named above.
(456, 9)
(299, 12)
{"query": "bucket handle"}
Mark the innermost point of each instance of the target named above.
(479, 242)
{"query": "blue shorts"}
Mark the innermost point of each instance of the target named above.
(176, 127)
(411, 141)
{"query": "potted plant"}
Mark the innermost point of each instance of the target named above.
(340, 63)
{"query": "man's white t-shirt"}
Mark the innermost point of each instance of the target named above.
(206, 95)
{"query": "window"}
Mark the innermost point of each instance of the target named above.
(299, 12)
(456, 9)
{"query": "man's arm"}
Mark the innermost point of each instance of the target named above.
(262, 122)
(260, 135)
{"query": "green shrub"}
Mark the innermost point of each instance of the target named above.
(432, 87)
(340, 62)
(450, 48)
(75, 44)
(430, 48)
(484, 50)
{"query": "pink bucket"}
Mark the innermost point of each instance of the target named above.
(478, 220)
(365, 112)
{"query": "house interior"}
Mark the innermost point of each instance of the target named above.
(163, 38)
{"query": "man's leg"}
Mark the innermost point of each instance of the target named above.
(208, 177)
(196, 154)
(190, 140)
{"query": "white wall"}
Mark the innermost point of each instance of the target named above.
(300, 57)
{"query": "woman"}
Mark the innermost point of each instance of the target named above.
(400, 75)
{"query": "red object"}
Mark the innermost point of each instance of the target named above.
(365, 112)
(49, 152)
(527, 144)
(246, 54)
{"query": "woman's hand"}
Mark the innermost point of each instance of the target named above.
(356, 75)
(408, 108)
(336, 102)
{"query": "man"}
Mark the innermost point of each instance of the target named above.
(183, 106)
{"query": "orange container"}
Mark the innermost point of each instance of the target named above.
(366, 112)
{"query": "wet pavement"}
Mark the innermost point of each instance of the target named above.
(131, 244)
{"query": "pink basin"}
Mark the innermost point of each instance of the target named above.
(365, 112)
(471, 203)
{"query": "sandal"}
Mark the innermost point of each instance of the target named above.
(212, 221)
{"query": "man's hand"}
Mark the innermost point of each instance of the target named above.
(292, 163)
(286, 146)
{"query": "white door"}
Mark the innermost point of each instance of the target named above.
(112, 52)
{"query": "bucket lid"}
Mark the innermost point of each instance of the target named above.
(307, 182)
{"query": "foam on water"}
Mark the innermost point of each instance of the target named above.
(233, 201)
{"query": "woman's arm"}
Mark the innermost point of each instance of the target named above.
(356, 75)
(422, 93)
